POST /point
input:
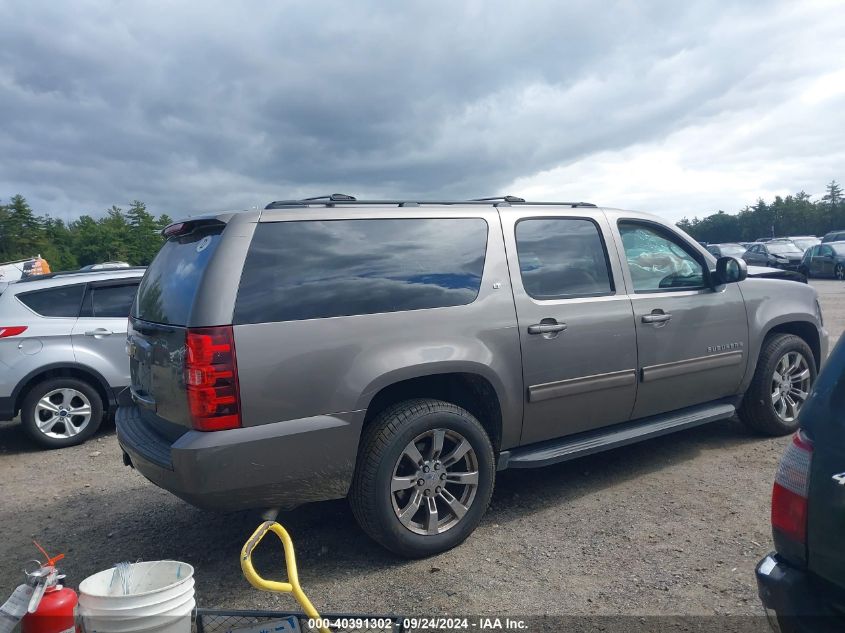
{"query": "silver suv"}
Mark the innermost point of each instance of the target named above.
(401, 352)
(63, 351)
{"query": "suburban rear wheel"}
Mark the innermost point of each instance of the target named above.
(785, 374)
(424, 477)
(62, 412)
(839, 272)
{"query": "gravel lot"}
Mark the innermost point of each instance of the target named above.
(670, 526)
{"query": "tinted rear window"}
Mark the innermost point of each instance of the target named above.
(112, 301)
(63, 301)
(167, 291)
(561, 258)
(316, 269)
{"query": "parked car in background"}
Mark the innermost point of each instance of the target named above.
(804, 241)
(824, 260)
(834, 236)
(63, 351)
(106, 266)
(783, 255)
(802, 583)
(728, 249)
(23, 268)
(401, 352)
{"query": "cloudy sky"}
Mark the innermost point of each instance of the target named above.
(676, 107)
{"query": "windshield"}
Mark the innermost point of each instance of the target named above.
(783, 248)
(732, 250)
(805, 242)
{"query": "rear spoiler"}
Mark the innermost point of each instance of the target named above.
(188, 226)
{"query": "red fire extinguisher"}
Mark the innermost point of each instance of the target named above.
(52, 606)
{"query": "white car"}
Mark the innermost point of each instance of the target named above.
(63, 351)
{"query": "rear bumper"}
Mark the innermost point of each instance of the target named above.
(793, 597)
(283, 464)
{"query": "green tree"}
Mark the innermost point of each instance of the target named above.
(163, 221)
(833, 201)
(834, 194)
(23, 230)
(5, 243)
(116, 236)
(56, 248)
(144, 238)
(133, 236)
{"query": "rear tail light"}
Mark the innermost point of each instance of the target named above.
(211, 378)
(789, 495)
(11, 330)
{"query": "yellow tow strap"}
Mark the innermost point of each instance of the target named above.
(292, 586)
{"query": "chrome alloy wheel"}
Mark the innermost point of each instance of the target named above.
(62, 413)
(790, 385)
(434, 481)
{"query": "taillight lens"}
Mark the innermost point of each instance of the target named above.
(211, 378)
(791, 489)
(11, 330)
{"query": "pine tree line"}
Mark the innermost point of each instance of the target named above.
(793, 215)
(131, 236)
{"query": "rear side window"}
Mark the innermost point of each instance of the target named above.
(316, 269)
(113, 301)
(167, 291)
(561, 258)
(63, 301)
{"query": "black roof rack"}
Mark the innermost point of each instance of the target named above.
(62, 273)
(340, 199)
(502, 198)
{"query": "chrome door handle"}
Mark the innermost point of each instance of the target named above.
(100, 331)
(656, 318)
(546, 328)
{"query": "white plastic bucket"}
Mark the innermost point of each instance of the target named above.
(159, 597)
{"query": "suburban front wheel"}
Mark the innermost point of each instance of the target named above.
(785, 374)
(839, 272)
(424, 477)
(61, 412)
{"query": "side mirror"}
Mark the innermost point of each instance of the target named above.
(730, 270)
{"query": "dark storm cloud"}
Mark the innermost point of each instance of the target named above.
(206, 105)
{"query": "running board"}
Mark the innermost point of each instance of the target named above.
(588, 442)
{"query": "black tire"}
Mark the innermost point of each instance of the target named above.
(383, 445)
(805, 271)
(839, 272)
(758, 410)
(30, 414)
